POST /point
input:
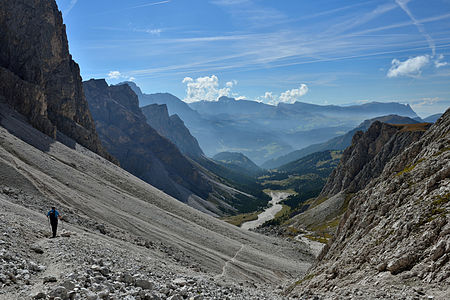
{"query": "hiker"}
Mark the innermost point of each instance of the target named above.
(54, 216)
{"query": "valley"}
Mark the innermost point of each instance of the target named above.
(269, 213)
(217, 195)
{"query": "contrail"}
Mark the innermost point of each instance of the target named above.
(68, 9)
(151, 4)
(420, 27)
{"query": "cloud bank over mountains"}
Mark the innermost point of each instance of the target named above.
(208, 88)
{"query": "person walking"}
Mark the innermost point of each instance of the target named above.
(53, 215)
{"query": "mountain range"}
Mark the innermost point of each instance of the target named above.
(125, 132)
(379, 229)
(337, 143)
(263, 132)
(121, 237)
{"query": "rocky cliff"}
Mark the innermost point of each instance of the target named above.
(38, 76)
(365, 159)
(394, 239)
(140, 150)
(173, 128)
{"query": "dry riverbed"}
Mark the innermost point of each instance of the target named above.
(270, 212)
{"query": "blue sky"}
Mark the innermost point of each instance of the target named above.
(322, 52)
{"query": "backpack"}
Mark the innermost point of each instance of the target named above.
(53, 215)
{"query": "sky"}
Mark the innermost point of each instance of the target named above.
(322, 52)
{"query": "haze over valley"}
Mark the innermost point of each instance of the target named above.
(224, 149)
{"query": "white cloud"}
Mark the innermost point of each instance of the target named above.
(206, 88)
(289, 96)
(293, 95)
(114, 75)
(152, 31)
(268, 98)
(439, 63)
(156, 31)
(230, 84)
(410, 67)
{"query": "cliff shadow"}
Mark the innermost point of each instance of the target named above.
(18, 125)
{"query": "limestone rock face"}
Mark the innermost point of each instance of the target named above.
(124, 131)
(39, 78)
(173, 128)
(138, 147)
(397, 228)
(370, 151)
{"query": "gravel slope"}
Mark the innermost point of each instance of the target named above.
(97, 196)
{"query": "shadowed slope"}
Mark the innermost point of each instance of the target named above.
(93, 191)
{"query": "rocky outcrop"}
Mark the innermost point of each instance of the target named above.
(139, 148)
(141, 151)
(341, 142)
(172, 128)
(370, 151)
(39, 78)
(396, 229)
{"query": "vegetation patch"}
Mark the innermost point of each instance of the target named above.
(282, 216)
(289, 191)
(407, 169)
(319, 201)
(436, 209)
(441, 200)
(238, 220)
(292, 231)
(344, 207)
(413, 127)
(284, 210)
(322, 237)
(442, 151)
(326, 226)
(298, 282)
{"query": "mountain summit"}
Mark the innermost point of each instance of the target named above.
(38, 77)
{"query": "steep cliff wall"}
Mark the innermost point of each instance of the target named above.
(39, 78)
(140, 150)
(173, 128)
(369, 153)
(396, 231)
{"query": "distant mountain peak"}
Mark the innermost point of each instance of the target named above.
(237, 162)
(136, 89)
(226, 99)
